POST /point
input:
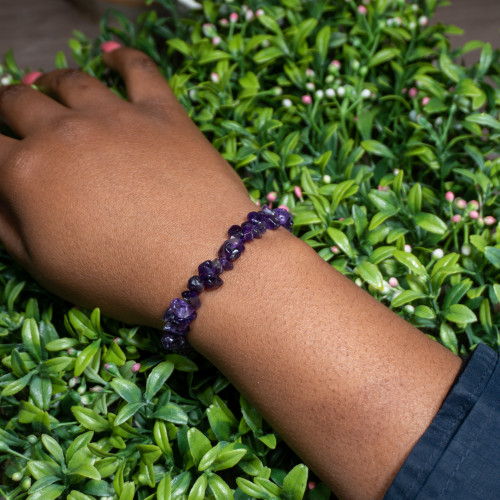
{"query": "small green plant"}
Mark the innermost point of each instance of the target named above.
(362, 121)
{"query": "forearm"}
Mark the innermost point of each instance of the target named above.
(346, 382)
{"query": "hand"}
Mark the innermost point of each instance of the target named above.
(110, 202)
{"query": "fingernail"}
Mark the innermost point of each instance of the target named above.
(109, 46)
(30, 78)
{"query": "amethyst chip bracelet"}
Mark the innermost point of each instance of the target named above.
(182, 311)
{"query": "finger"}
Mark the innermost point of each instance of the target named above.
(76, 89)
(145, 84)
(10, 236)
(25, 109)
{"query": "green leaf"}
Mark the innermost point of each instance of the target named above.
(270, 24)
(157, 378)
(127, 390)
(48, 493)
(431, 223)
(127, 411)
(295, 482)
(85, 470)
(90, 419)
(485, 60)
(42, 468)
(61, 344)
(383, 56)
(253, 490)
(377, 148)
(308, 185)
(322, 41)
(18, 385)
(341, 240)
(458, 313)
(219, 487)
(41, 391)
(149, 453)
(199, 444)
(180, 45)
(128, 491)
(180, 484)
(219, 422)
(370, 273)
(483, 119)
(53, 447)
(448, 337)
(493, 255)
(405, 297)
(31, 338)
(198, 489)
(57, 365)
(410, 261)
(267, 55)
(81, 324)
(172, 413)
(163, 492)
(228, 458)
(86, 356)
(81, 441)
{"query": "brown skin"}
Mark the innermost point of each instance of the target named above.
(114, 204)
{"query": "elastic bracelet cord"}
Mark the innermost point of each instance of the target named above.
(181, 312)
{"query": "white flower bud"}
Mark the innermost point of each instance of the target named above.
(366, 94)
(287, 103)
(437, 253)
(319, 94)
(327, 179)
(341, 91)
(330, 93)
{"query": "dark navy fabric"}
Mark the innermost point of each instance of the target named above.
(458, 457)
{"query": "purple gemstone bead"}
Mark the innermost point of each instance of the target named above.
(206, 269)
(285, 219)
(181, 308)
(219, 268)
(235, 231)
(232, 248)
(258, 220)
(171, 327)
(170, 317)
(226, 264)
(213, 282)
(192, 298)
(251, 231)
(195, 284)
(174, 342)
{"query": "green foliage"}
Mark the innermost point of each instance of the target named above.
(363, 124)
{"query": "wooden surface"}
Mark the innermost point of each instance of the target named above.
(37, 29)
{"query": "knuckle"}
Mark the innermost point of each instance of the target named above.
(69, 76)
(10, 92)
(142, 62)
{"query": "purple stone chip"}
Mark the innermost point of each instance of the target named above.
(219, 268)
(192, 298)
(235, 231)
(176, 343)
(195, 284)
(250, 231)
(213, 282)
(257, 219)
(285, 219)
(226, 264)
(181, 308)
(232, 248)
(270, 219)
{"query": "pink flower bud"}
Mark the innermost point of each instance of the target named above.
(309, 72)
(423, 20)
(335, 249)
(107, 366)
(71, 351)
(335, 63)
(215, 77)
(404, 90)
(473, 214)
(96, 388)
(249, 15)
(136, 367)
(311, 485)
(216, 40)
(223, 22)
(233, 17)
(489, 220)
(413, 92)
(259, 12)
(117, 340)
(393, 282)
(298, 192)
(284, 207)
(456, 218)
(362, 9)
(449, 196)
(461, 203)
(407, 248)
(382, 188)
(30, 78)
(306, 99)
(257, 203)
(425, 101)
(271, 196)
(473, 205)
